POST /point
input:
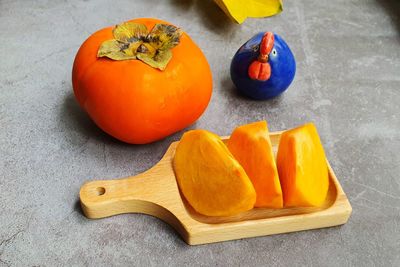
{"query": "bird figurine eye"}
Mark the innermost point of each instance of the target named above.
(273, 52)
(255, 48)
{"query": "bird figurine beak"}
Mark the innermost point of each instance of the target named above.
(260, 69)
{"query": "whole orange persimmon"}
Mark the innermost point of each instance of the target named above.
(142, 80)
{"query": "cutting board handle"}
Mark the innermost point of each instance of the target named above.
(140, 193)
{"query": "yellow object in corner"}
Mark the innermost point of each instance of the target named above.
(239, 10)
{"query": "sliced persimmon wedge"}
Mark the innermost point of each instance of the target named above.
(209, 177)
(251, 146)
(302, 167)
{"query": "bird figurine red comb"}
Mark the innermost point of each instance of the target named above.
(260, 69)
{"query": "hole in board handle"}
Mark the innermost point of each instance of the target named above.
(100, 191)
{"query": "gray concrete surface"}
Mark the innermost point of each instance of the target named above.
(348, 83)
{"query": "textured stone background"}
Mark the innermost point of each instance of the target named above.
(348, 83)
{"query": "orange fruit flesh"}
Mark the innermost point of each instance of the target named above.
(251, 146)
(302, 167)
(209, 177)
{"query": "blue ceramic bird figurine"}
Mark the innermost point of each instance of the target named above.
(263, 67)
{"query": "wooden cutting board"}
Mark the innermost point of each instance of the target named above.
(155, 192)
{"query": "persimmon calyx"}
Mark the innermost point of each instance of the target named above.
(134, 41)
